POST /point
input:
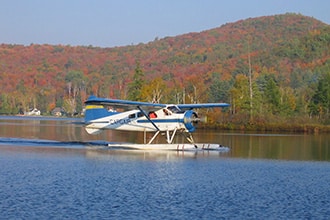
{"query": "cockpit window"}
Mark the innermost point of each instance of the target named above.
(131, 116)
(173, 109)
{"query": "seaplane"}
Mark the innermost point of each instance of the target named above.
(168, 120)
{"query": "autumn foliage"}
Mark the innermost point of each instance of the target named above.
(274, 67)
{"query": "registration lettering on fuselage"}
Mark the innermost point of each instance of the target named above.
(119, 121)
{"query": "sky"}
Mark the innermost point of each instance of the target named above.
(111, 23)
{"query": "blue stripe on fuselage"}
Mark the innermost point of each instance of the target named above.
(170, 120)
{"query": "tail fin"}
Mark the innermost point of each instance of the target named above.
(94, 112)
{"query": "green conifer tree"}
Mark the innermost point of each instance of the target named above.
(135, 87)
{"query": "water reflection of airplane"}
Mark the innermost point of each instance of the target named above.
(165, 119)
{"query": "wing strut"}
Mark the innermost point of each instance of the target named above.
(148, 118)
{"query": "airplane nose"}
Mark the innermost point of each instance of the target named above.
(190, 118)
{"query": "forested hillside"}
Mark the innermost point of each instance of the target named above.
(273, 68)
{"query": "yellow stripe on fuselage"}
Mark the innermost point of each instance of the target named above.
(94, 106)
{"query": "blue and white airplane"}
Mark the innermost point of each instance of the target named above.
(168, 119)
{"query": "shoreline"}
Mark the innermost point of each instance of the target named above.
(264, 127)
(291, 128)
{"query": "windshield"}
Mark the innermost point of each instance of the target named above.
(174, 109)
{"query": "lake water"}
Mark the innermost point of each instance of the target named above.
(52, 169)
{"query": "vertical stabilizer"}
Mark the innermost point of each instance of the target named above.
(94, 112)
(94, 118)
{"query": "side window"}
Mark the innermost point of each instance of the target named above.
(131, 116)
(152, 115)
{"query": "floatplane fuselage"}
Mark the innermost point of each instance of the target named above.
(102, 114)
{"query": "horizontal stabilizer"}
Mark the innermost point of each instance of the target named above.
(93, 131)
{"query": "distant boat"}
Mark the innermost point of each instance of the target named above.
(32, 112)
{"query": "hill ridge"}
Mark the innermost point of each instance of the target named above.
(287, 46)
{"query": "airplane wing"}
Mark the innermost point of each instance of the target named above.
(121, 103)
(126, 103)
(203, 105)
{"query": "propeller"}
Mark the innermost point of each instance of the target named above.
(191, 119)
(203, 119)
